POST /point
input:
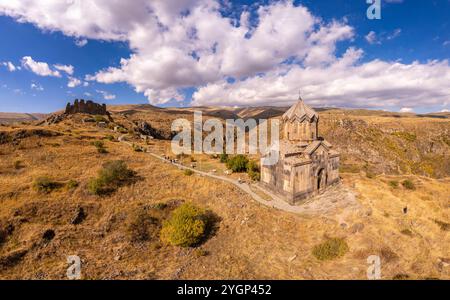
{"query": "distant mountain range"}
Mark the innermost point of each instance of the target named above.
(262, 112)
(8, 118)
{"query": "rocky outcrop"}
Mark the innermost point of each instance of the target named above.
(146, 129)
(88, 107)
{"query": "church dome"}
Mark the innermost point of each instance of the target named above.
(300, 111)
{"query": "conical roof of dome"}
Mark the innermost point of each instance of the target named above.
(300, 110)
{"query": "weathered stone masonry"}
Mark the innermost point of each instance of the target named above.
(88, 107)
(307, 164)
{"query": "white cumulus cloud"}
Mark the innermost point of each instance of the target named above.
(81, 42)
(69, 69)
(106, 95)
(39, 68)
(371, 37)
(37, 87)
(237, 60)
(406, 110)
(10, 66)
(73, 82)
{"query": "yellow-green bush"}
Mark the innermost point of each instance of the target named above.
(45, 185)
(238, 163)
(100, 147)
(137, 148)
(330, 249)
(253, 170)
(223, 158)
(393, 184)
(72, 184)
(112, 175)
(186, 227)
(409, 185)
(99, 119)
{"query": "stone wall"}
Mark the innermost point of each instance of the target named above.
(88, 107)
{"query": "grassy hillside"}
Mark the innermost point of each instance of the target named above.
(389, 145)
(39, 227)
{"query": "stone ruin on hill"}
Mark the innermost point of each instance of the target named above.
(78, 107)
(88, 107)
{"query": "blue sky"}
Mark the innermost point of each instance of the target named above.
(410, 43)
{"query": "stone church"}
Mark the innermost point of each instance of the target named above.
(307, 163)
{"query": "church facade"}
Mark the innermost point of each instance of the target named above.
(307, 163)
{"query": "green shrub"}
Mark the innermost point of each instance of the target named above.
(100, 147)
(186, 227)
(122, 130)
(99, 119)
(96, 187)
(330, 249)
(393, 184)
(72, 184)
(110, 138)
(253, 170)
(45, 185)
(223, 158)
(255, 176)
(188, 172)
(252, 166)
(137, 148)
(110, 177)
(408, 184)
(238, 163)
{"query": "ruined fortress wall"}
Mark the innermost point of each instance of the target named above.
(88, 107)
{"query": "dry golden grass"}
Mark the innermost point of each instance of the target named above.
(251, 241)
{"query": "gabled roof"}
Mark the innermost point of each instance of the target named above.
(299, 111)
(314, 145)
